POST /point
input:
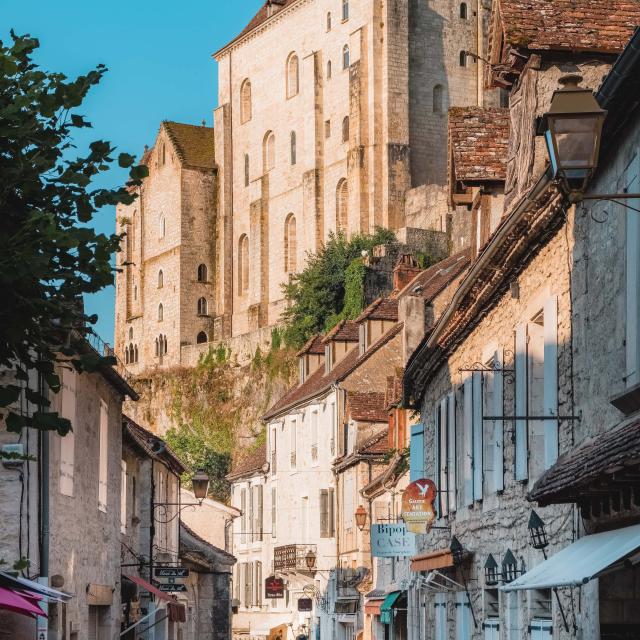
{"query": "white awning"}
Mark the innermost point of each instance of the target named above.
(581, 561)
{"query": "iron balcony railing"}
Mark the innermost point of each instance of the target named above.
(292, 557)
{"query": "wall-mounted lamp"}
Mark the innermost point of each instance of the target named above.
(310, 560)
(361, 517)
(537, 532)
(491, 573)
(510, 569)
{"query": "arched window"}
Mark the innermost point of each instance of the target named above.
(269, 151)
(293, 80)
(345, 56)
(293, 148)
(202, 338)
(245, 101)
(130, 333)
(163, 226)
(463, 10)
(163, 153)
(329, 70)
(463, 58)
(246, 169)
(164, 342)
(135, 354)
(345, 129)
(243, 264)
(345, 9)
(160, 279)
(202, 306)
(290, 245)
(202, 273)
(329, 21)
(342, 200)
(135, 291)
(160, 312)
(126, 355)
(437, 98)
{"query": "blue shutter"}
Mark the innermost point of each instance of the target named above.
(491, 629)
(522, 447)
(541, 630)
(441, 632)
(550, 381)
(451, 452)
(416, 452)
(631, 182)
(498, 425)
(467, 442)
(463, 616)
(477, 436)
(443, 479)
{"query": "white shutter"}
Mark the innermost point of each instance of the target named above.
(467, 442)
(436, 457)
(451, 452)
(274, 511)
(441, 631)
(67, 443)
(477, 435)
(541, 630)
(463, 616)
(498, 425)
(631, 182)
(123, 496)
(550, 381)
(443, 479)
(521, 402)
(416, 453)
(491, 629)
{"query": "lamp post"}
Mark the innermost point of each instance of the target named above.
(361, 517)
(491, 573)
(200, 483)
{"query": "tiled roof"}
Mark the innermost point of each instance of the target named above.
(367, 407)
(479, 138)
(380, 309)
(611, 452)
(313, 345)
(153, 446)
(344, 331)
(194, 145)
(248, 463)
(201, 545)
(319, 382)
(572, 25)
(376, 444)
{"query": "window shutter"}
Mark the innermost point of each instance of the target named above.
(259, 521)
(522, 447)
(259, 583)
(491, 629)
(631, 182)
(104, 456)
(436, 458)
(441, 632)
(243, 518)
(541, 630)
(550, 381)
(463, 616)
(252, 515)
(245, 579)
(332, 514)
(274, 511)
(251, 568)
(451, 451)
(498, 425)
(513, 616)
(468, 449)
(123, 496)
(416, 453)
(443, 471)
(324, 513)
(477, 435)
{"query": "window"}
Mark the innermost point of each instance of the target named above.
(269, 151)
(345, 9)
(123, 496)
(160, 312)
(135, 292)
(293, 147)
(345, 129)
(314, 436)
(327, 128)
(163, 153)
(541, 629)
(103, 456)
(202, 273)
(245, 102)
(463, 616)
(243, 517)
(416, 453)
(329, 70)
(630, 183)
(67, 443)
(202, 306)
(274, 452)
(160, 279)
(135, 354)
(290, 244)
(163, 227)
(157, 348)
(345, 57)
(202, 338)
(437, 99)
(342, 199)
(493, 430)
(259, 585)
(161, 345)
(246, 170)
(243, 264)
(329, 21)
(274, 511)
(440, 604)
(293, 442)
(463, 10)
(293, 80)
(256, 525)
(463, 58)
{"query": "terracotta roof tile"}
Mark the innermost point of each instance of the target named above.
(344, 331)
(194, 145)
(248, 462)
(313, 345)
(572, 25)
(377, 444)
(478, 139)
(367, 407)
(380, 309)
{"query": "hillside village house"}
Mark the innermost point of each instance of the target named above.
(505, 382)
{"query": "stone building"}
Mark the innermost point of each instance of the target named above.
(505, 381)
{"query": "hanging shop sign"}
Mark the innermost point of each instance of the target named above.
(417, 506)
(171, 572)
(172, 588)
(274, 587)
(305, 604)
(392, 541)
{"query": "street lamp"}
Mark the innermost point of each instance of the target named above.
(310, 560)
(457, 551)
(361, 517)
(200, 483)
(491, 573)
(509, 567)
(573, 131)
(537, 532)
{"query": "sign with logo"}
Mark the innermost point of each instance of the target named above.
(417, 506)
(305, 604)
(171, 572)
(274, 587)
(392, 541)
(172, 588)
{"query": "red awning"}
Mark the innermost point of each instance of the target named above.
(150, 588)
(19, 603)
(372, 606)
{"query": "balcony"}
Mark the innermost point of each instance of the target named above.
(292, 557)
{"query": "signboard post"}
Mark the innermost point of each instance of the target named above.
(172, 588)
(417, 506)
(392, 541)
(305, 604)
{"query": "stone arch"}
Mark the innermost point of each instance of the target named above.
(203, 273)
(160, 279)
(202, 338)
(160, 312)
(464, 11)
(290, 244)
(342, 206)
(269, 151)
(245, 101)
(202, 306)
(243, 264)
(293, 75)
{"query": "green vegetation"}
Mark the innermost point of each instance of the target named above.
(330, 288)
(49, 256)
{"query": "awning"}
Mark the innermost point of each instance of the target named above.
(15, 582)
(18, 603)
(372, 606)
(386, 616)
(150, 588)
(581, 561)
(440, 559)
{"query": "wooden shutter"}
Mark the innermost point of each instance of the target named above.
(441, 631)
(243, 517)
(252, 516)
(324, 513)
(522, 446)
(550, 381)
(467, 441)
(443, 472)
(436, 458)
(477, 435)
(332, 513)
(260, 514)
(451, 451)
(259, 585)
(498, 425)
(416, 453)
(463, 616)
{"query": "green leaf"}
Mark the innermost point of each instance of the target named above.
(125, 160)
(9, 394)
(15, 423)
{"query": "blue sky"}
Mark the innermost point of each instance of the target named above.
(160, 68)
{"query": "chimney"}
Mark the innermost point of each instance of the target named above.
(405, 271)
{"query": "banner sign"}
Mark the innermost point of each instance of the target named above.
(392, 541)
(171, 572)
(274, 587)
(417, 506)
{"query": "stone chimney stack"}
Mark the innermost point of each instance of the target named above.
(405, 271)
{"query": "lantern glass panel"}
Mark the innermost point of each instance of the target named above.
(200, 484)
(577, 140)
